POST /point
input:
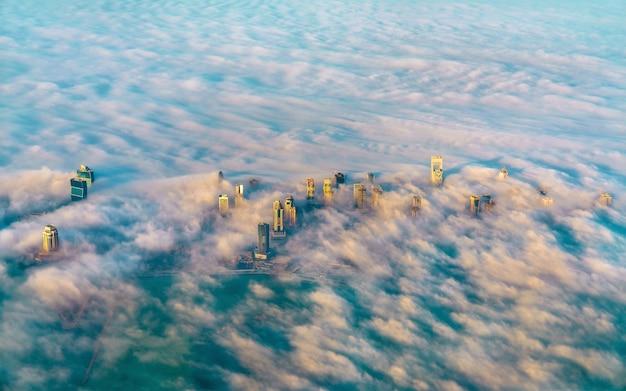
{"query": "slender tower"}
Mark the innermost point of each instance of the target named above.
(504, 173)
(606, 199)
(328, 190)
(360, 195)
(377, 193)
(223, 203)
(436, 170)
(50, 239)
(310, 189)
(487, 202)
(278, 230)
(416, 206)
(263, 241)
(291, 212)
(474, 204)
(238, 195)
(340, 179)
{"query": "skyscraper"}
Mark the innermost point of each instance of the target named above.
(278, 230)
(310, 189)
(416, 206)
(223, 203)
(436, 170)
(377, 193)
(547, 202)
(340, 179)
(263, 241)
(78, 189)
(370, 177)
(291, 212)
(474, 204)
(328, 190)
(86, 173)
(239, 195)
(487, 202)
(606, 199)
(50, 239)
(360, 195)
(504, 173)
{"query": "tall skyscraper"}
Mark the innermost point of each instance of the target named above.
(487, 202)
(263, 241)
(436, 170)
(310, 189)
(328, 190)
(239, 195)
(474, 204)
(504, 173)
(50, 239)
(223, 203)
(291, 212)
(377, 193)
(416, 206)
(340, 179)
(547, 202)
(78, 189)
(360, 195)
(86, 173)
(278, 230)
(606, 199)
(370, 177)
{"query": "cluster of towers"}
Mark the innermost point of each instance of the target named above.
(79, 184)
(223, 201)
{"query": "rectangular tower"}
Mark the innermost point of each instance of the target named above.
(474, 205)
(328, 190)
(50, 239)
(86, 173)
(340, 179)
(291, 212)
(360, 195)
(436, 170)
(370, 177)
(377, 193)
(222, 203)
(416, 206)
(310, 189)
(78, 189)
(547, 202)
(487, 202)
(278, 230)
(263, 241)
(238, 195)
(504, 173)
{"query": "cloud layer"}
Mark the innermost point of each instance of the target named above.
(158, 97)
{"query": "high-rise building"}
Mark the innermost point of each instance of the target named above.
(360, 195)
(340, 179)
(436, 170)
(238, 195)
(278, 230)
(416, 206)
(86, 173)
(223, 203)
(328, 190)
(78, 189)
(263, 241)
(606, 199)
(220, 176)
(291, 212)
(310, 189)
(370, 177)
(474, 204)
(377, 193)
(547, 202)
(504, 173)
(487, 202)
(50, 239)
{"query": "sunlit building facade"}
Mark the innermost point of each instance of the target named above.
(474, 205)
(278, 229)
(222, 203)
(85, 173)
(436, 170)
(310, 189)
(291, 212)
(328, 190)
(239, 195)
(360, 196)
(416, 206)
(50, 239)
